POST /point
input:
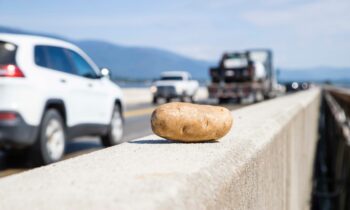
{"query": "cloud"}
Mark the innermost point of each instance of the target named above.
(320, 16)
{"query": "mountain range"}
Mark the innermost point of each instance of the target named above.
(142, 63)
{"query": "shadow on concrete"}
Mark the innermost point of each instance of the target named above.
(152, 141)
(81, 146)
(166, 141)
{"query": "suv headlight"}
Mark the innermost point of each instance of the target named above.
(153, 89)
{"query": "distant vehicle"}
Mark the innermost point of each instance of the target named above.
(242, 75)
(51, 92)
(297, 86)
(174, 84)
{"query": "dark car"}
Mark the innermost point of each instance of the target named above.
(297, 86)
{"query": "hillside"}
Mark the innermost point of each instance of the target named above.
(141, 62)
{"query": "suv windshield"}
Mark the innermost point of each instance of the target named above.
(7, 53)
(171, 78)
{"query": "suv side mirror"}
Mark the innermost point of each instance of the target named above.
(105, 72)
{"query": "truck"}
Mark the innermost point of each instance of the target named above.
(174, 84)
(240, 75)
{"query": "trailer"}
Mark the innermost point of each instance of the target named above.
(240, 75)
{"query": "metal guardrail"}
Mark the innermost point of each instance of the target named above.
(331, 185)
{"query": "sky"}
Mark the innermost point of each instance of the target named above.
(301, 33)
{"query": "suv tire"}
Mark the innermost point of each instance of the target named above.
(192, 99)
(50, 144)
(115, 129)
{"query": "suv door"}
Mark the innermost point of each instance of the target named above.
(54, 69)
(62, 83)
(97, 103)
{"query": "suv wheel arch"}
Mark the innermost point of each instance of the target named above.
(57, 104)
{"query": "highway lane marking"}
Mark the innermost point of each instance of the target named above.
(139, 112)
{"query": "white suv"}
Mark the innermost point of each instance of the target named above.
(51, 92)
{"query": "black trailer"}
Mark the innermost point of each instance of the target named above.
(243, 74)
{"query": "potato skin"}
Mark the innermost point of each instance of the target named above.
(191, 122)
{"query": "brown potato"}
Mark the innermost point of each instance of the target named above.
(191, 122)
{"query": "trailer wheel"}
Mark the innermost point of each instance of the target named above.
(192, 99)
(155, 100)
(223, 100)
(183, 98)
(255, 97)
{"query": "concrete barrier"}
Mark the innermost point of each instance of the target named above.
(144, 95)
(265, 162)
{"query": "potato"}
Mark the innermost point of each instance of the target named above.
(191, 122)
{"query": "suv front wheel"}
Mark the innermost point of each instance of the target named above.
(51, 141)
(115, 129)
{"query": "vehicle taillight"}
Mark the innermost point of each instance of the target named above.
(8, 116)
(10, 71)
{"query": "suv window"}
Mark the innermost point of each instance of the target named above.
(40, 56)
(7, 53)
(53, 58)
(82, 67)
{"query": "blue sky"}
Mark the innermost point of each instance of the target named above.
(302, 33)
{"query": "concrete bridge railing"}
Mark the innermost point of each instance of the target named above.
(265, 162)
(331, 188)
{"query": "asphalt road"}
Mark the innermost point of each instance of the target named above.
(137, 124)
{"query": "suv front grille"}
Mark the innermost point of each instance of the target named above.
(166, 90)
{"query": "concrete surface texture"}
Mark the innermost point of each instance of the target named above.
(265, 162)
(144, 95)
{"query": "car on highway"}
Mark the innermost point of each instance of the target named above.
(174, 84)
(297, 86)
(243, 75)
(52, 92)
